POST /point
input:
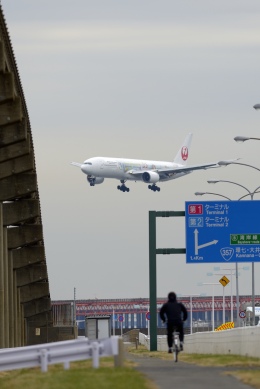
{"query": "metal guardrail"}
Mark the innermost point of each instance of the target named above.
(59, 352)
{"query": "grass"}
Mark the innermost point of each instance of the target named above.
(200, 359)
(80, 375)
(250, 367)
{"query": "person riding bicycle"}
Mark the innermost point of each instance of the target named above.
(176, 314)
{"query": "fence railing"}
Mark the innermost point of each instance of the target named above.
(59, 352)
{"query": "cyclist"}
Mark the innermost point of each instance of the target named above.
(175, 313)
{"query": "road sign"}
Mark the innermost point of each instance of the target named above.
(224, 281)
(222, 231)
(242, 314)
(120, 318)
(147, 315)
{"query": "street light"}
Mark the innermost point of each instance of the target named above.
(226, 163)
(251, 194)
(244, 138)
(225, 197)
(213, 303)
(232, 182)
(232, 272)
(216, 194)
(191, 322)
(256, 106)
(252, 197)
(223, 303)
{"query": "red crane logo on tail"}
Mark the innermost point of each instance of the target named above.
(184, 153)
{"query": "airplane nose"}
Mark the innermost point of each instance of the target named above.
(85, 168)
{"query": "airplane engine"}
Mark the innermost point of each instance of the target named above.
(94, 180)
(152, 177)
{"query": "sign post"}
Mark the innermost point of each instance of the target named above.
(223, 231)
(121, 319)
(224, 281)
(148, 322)
(152, 269)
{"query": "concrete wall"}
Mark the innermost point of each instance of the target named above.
(51, 334)
(239, 341)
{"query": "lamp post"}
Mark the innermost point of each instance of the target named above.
(231, 182)
(257, 107)
(251, 194)
(226, 163)
(237, 293)
(244, 138)
(223, 303)
(231, 293)
(210, 193)
(190, 296)
(213, 303)
(225, 197)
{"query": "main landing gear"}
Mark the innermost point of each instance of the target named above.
(122, 187)
(154, 188)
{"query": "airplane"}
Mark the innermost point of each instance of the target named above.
(149, 172)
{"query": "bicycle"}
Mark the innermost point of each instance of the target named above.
(176, 345)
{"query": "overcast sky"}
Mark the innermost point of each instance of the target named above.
(131, 79)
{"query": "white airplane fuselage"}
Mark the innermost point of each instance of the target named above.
(119, 168)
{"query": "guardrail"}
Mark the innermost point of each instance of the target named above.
(59, 352)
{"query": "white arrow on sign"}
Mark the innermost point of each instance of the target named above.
(196, 240)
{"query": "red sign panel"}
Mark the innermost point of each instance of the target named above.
(195, 209)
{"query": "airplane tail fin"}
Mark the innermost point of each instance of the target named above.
(183, 154)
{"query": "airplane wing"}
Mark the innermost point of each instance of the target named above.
(177, 169)
(76, 164)
(187, 169)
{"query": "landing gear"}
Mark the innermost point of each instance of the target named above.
(154, 188)
(122, 187)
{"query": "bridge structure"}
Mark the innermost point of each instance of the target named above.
(25, 302)
(134, 312)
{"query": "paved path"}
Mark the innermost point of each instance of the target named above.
(168, 374)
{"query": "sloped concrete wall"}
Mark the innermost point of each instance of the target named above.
(238, 341)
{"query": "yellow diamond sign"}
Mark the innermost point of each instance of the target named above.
(224, 281)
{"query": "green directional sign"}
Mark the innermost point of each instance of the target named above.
(238, 239)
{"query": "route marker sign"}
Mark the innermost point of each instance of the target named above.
(222, 231)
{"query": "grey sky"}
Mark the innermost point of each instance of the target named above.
(131, 79)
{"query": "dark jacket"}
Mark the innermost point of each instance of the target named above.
(173, 311)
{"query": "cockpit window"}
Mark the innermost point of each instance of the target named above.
(87, 163)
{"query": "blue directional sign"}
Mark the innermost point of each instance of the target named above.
(222, 231)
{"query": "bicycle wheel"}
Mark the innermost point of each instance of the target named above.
(175, 353)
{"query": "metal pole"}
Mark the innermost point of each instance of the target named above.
(191, 314)
(231, 300)
(253, 291)
(74, 309)
(213, 319)
(152, 280)
(113, 321)
(237, 296)
(2, 316)
(6, 296)
(223, 318)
